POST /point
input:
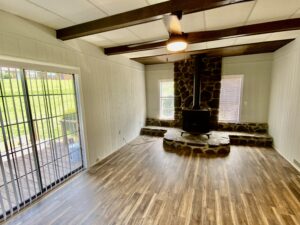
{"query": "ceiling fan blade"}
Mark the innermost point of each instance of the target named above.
(172, 24)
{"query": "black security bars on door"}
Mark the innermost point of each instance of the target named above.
(39, 134)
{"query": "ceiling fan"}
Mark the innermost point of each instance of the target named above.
(178, 39)
(171, 13)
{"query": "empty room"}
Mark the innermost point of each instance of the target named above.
(150, 112)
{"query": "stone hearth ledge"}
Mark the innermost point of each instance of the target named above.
(217, 144)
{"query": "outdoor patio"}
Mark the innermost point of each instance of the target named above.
(56, 160)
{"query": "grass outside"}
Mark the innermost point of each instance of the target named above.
(51, 102)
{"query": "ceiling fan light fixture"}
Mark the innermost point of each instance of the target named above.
(176, 43)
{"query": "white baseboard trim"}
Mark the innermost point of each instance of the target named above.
(297, 168)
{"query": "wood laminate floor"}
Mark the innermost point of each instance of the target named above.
(142, 184)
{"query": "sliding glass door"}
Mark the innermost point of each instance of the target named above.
(39, 134)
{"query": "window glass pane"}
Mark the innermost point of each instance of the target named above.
(19, 175)
(168, 103)
(55, 122)
(166, 89)
(230, 98)
(39, 134)
(166, 99)
(168, 113)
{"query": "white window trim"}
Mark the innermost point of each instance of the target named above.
(160, 105)
(241, 98)
(37, 65)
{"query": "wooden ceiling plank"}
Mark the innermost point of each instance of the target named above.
(205, 36)
(139, 16)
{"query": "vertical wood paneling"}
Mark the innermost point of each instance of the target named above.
(154, 73)
(257, 71)
(284, 108)
(10, 45)
(112, 102)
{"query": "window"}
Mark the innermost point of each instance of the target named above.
(166, 99)
(230, 98)
(39, 134)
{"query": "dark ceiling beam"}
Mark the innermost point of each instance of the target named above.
(139, 16)
(214, 35)
(247, 49)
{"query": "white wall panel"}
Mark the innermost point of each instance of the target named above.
(257, 71)
(10, 45)
(284, 108)
(113, 88)
(154, 73)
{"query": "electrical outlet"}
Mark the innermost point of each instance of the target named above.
(297, 163)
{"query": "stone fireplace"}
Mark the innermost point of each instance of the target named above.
(210, 77)
(250, 134)
(210, 95)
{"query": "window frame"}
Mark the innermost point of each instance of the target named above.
(241, 76)
(31, 65)
(161, 117)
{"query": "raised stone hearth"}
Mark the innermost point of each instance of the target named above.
(250, 139)
(215, 144)
(160, 123)
(244, 127)
(153, 132)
